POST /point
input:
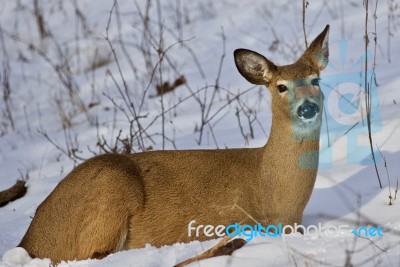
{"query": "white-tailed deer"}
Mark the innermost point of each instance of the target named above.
(114, 202)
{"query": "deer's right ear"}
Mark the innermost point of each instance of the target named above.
(253, 66)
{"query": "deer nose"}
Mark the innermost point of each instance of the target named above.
(308, 110)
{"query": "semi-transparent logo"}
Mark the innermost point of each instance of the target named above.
(345, 106)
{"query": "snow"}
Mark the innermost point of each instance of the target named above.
(346, 192)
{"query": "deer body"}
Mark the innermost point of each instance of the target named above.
(114, 202)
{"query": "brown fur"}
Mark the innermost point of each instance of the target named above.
(114, 202)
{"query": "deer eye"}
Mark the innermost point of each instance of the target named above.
(315, 82)
(282, 88)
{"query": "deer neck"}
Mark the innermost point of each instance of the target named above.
(289, 170)
(288, 144)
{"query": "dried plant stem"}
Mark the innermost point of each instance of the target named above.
(367, 94)
(305, 4)
(387, 175)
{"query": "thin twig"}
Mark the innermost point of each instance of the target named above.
(305, 4)
(387, 175)
(368, 94)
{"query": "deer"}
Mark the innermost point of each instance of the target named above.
(115, 202)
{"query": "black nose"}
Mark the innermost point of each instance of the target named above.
(308, 110)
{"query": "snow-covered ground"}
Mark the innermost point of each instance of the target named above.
(53, 83)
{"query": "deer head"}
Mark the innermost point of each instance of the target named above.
(297, 100)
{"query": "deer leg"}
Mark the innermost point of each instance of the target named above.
(225, 247)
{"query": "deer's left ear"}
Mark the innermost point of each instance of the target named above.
(319, 50)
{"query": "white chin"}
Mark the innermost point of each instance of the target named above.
(309, 121)
(305, 125)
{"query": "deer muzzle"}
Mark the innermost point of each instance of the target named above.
(307, 110)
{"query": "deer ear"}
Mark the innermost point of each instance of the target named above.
(253, 66)
(319, 50)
